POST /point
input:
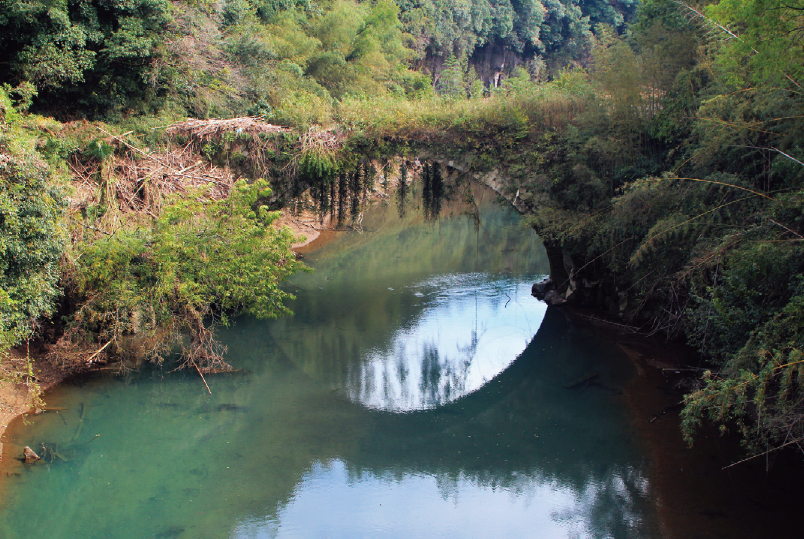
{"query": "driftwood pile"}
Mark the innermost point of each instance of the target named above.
(138, 181)
(204, 130)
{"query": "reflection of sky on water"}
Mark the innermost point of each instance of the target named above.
(471, 328)
(334, 501)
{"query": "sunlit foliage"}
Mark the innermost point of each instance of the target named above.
(31, 236)
(201, 260)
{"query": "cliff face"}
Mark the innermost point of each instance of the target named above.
(494, 62)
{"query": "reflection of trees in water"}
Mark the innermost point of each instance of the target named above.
(469, 351)
(610, 505)
(615, 503)
(430, 378)
(445, 378)
(402, 190)
(432, 190)
(346, 192)
(613, 507)
(441, 378)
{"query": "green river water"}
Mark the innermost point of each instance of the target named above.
(418, 391)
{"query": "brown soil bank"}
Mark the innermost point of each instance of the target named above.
(18, 398)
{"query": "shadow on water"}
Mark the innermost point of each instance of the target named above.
(523, 429)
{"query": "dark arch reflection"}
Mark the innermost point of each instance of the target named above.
(521, 456)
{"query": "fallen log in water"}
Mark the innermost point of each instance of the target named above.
(50, 452)
(80, 422)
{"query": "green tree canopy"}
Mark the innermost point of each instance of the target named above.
(95, 51)
(31, 238)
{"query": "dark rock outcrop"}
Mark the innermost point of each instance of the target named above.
(545, 291)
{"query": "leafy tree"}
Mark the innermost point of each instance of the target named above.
(202, 258)
(94, 52)
(613, 14)
(237, 11)
(761, 39)
(617, 72)
(753, 323)
(452, 81)
(267, 9)
(31, 238)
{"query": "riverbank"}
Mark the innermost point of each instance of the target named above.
(306, 226)
(19, 398)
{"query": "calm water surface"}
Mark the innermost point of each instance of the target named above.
(419, 391)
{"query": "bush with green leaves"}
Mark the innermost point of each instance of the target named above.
(202, 261)
(31, 244)
(759, 388)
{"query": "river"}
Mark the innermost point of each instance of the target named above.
(418, 391)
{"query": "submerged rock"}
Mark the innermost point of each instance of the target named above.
(30, 455)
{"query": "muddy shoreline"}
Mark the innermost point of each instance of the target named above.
(17, 399)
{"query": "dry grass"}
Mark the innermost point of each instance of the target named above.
(205, 130)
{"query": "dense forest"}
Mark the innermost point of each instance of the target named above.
(657, 145)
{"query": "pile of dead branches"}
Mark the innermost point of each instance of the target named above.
(204, 130)
(138, 181)
(323, 139)
(143, 182)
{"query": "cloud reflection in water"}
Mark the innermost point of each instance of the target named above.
(471, 328)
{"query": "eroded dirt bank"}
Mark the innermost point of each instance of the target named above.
(20, 397)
